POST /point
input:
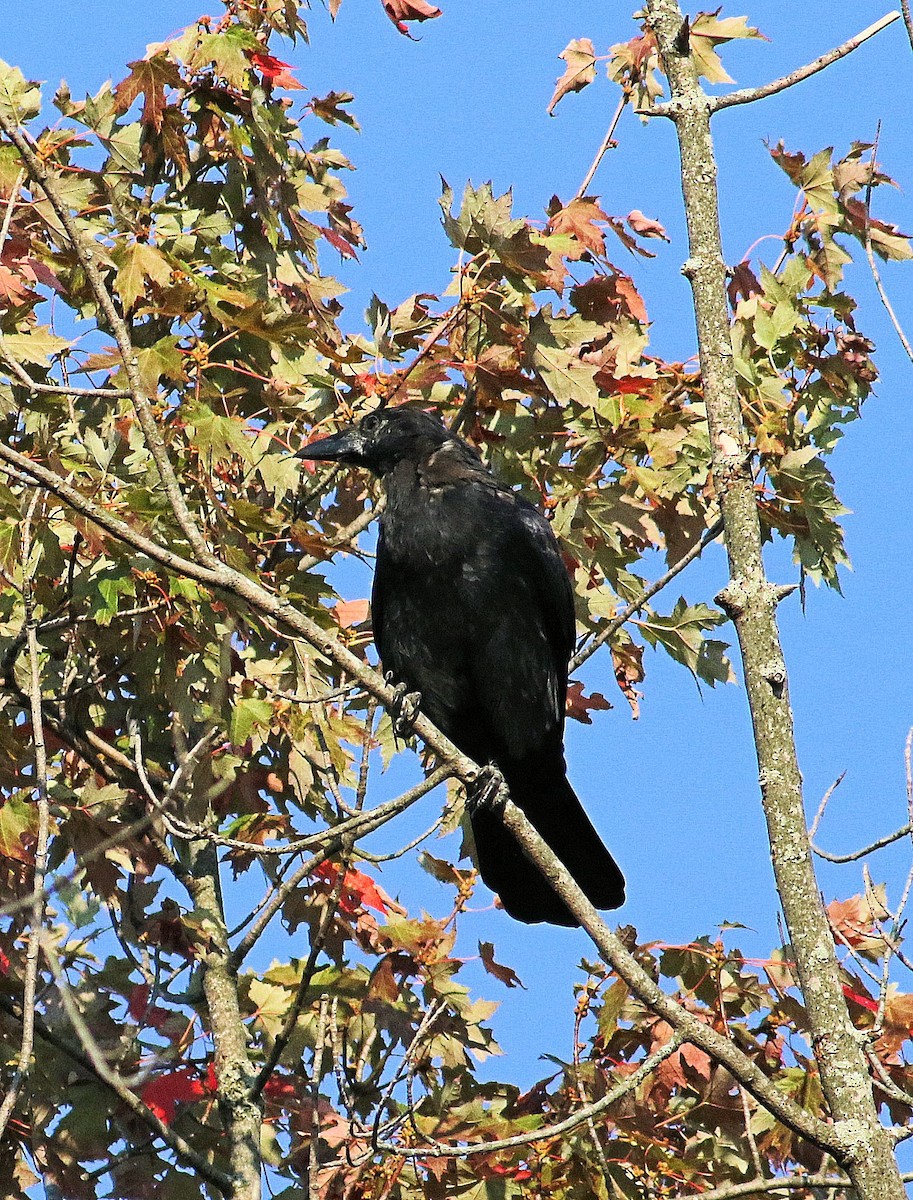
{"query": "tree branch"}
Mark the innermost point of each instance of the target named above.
(629, 610)
(863, 1147)
(86, 255)
(749, 95)
(40, 862)
(587, 1113)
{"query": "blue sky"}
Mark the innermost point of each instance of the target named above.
(674, 794)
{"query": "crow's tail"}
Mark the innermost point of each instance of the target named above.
(544, 794)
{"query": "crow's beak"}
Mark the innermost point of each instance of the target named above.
(347, 446)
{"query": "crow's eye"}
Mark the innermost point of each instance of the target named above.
(371, 423)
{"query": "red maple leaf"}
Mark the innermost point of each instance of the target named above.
(279, 73)
(358, 889)
(163, 1093)
(141, 1011)
(860, 998)
(339, 243)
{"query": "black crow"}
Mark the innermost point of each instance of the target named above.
(472, 607)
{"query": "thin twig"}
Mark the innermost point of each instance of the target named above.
(316, 1073)
(866, 850)
(870, 255)
(748, 95)
(347, 534)
(55, 389)
(629, 610)
(427, 345)
(824, 803)
(547, 1132)
(604, 147)
(44, 819)
(10, 208)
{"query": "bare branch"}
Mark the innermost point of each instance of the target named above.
(605, 146)
(825, 799)
(873, 265)
(879, 844)
(629, 610)
(748, 95)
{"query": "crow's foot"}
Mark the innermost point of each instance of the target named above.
(404, 709)
(487, 790)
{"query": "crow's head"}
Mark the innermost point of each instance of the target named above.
(382, 439)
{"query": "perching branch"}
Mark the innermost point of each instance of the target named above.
(458, 765)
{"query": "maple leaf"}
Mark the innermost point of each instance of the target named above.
(855, 922)
(707, 32)
(578, 220)
(350, 612)
(742, 282)
(507, 975)
(273, 69)
(339, 243)
(606, 297)
(18, 826)
(645, 226)
(149, 77)
(580, 71)
(163, 1093)
(579, 706)
(358, 890)
(330, 109)
(858, 995)
(141, 1011)
(627, 658)
(401, 11)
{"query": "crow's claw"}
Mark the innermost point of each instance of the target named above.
(487, 790)
(405, 709)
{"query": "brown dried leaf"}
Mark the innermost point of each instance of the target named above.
(581, 70)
